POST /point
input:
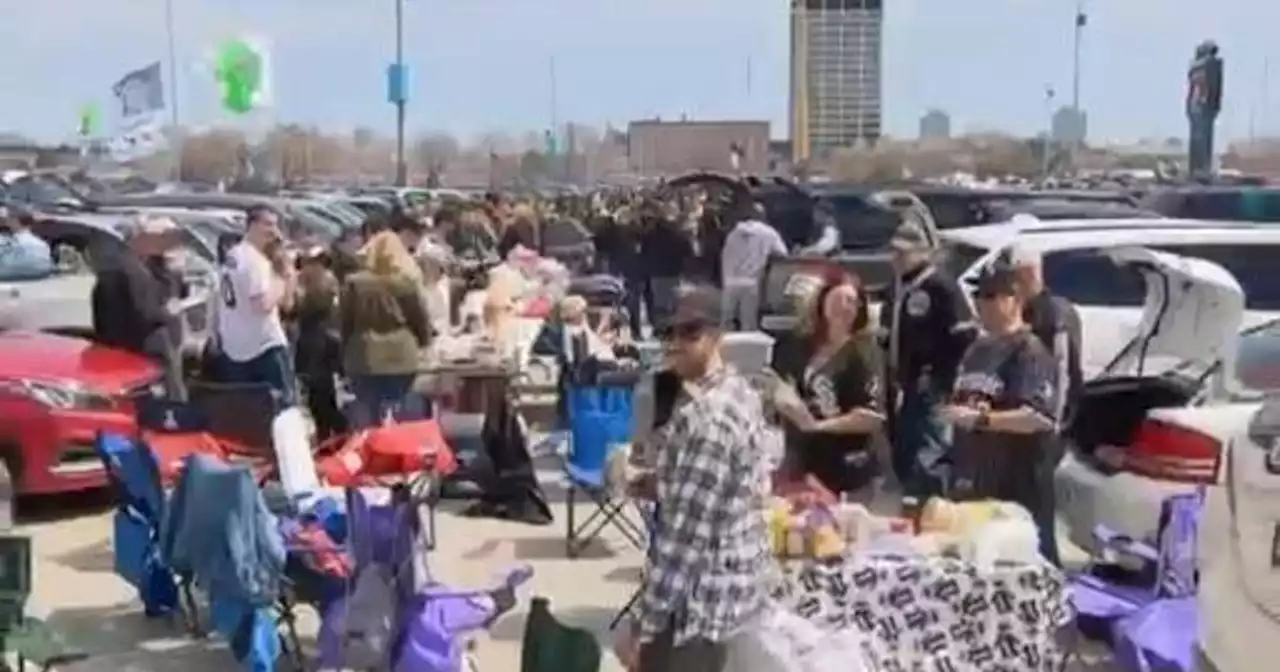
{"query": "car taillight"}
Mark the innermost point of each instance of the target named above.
(1173, 453)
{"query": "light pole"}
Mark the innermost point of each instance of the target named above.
(402, 170)
(1046, 146)
(1077, 37)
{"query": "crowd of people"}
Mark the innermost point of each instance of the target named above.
(970, 401)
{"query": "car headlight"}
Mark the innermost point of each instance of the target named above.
(63, 396)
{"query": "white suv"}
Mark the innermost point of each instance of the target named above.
(1109, 296)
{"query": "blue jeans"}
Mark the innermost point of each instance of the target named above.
(921, 440)
(380, 396)
(274, 367)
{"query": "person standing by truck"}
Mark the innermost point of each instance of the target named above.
(929, 326)
(746, 254)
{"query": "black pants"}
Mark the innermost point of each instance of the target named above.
(322, 403)
(639, 294)
(698, 655)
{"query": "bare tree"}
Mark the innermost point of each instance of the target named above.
(212, 156)
(436, 151)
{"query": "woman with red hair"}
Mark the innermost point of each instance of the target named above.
(836, 368)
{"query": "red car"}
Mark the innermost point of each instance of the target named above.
(56, 394)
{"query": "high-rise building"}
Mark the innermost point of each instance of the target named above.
(1070, 126)
(835, 75)
(935, 125)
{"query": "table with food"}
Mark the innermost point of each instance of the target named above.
(947, 586)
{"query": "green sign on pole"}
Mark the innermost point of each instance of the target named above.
(90, 121)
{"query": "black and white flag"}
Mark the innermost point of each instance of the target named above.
(140, 91)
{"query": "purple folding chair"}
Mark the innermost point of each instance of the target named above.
(441, 619)
(1149, 627)
(379, 538)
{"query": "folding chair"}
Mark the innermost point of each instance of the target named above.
(33, 640)
(134, 474)
(1117, 612)
(599, 422)
(651, 525)
(219, 529)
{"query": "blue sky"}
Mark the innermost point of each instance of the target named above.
(484, 65)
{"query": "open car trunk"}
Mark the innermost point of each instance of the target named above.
(1110, 410)
(1193, 311)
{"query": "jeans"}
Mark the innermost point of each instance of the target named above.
(741, 304)
(920, 442)
(380, 396)
(274, 368)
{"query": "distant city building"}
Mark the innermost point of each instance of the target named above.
(658, 148)
(935, 125)
(835, 75)
(1070, 126)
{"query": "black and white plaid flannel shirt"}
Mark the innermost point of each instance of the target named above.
(710, 567)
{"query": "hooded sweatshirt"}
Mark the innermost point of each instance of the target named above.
(747, 250)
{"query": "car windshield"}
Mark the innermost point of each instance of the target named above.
(1257, 369)
(314, 223)
(24, 257)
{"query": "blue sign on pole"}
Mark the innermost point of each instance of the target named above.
(397, 83)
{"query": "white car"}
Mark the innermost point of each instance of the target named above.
(1161, 418)
(1144, 430)
(1239, 550)
(1109, 296)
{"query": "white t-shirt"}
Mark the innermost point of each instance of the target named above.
(244, 330)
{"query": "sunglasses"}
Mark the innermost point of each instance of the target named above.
(681, 332)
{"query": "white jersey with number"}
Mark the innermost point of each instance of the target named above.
(244, 329)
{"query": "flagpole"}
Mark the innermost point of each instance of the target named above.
(173, 63)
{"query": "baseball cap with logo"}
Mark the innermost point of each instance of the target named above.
(909, 237)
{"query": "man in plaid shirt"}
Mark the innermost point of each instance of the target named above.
(710, 562)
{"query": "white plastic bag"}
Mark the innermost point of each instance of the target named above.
(1013, 539)
(785, 642)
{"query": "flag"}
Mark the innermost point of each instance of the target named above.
(243, 73)
(1081, 20)
(140, 91)
(90, 121)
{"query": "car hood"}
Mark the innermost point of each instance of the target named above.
(1193, 310)
(51, 358)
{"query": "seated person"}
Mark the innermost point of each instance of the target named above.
(23, 255)
(569, 338)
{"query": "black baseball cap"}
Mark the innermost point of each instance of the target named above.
(996, 281)
(697, 309)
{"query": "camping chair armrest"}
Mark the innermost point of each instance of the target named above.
(1111, 541)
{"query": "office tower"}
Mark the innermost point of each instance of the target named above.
(835, 75)
(935, 125)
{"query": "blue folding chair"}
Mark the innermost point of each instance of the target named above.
(599, 421)
(134, 475)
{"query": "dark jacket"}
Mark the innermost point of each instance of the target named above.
(383, 325)
(522, 232)
(129, 305)
(665, 250)
(317, 351)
